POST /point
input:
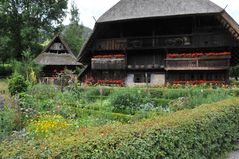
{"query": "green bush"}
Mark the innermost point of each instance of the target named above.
(92, 94)
(28, 106)
(126, 102)
(43, 91)
(175, 93)
(156, 93)
(17, 84)
(7, 122)
(236, 93)
(204, 132)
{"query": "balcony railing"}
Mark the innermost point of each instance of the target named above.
(197, 64)
(108, 63)
(143, 42)
(145, 67)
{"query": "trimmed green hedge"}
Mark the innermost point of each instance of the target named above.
(204, 132)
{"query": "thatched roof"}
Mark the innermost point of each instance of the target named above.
(56, 59)
(135, 9)
(57, 56)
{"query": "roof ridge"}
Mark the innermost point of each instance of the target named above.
(134, 9)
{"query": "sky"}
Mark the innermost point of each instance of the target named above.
(95, 8)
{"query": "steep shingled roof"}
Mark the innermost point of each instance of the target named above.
(134, 9)
(52, 58)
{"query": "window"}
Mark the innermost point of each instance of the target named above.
(142, 78)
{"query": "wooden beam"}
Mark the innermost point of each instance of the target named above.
(230, 21)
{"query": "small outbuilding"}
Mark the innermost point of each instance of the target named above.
(56, 57)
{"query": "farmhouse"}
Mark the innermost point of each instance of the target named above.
(159, 42)
(56, 57)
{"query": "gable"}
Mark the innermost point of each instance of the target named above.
(57, 45)
(57, 53)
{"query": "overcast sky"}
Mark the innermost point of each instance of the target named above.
(95, 8)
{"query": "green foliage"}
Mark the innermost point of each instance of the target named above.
(178, 104)
(234, 72)
(28, 106)
(73, 36)
(136, 100)
(236, 93)
(17, 84)
(42, 92)
(27, 66)
(126, 102)
(73, 33)
(7, 122)
(113, 120)
(204, 132)
(34, 20)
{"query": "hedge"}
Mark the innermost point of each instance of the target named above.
(204, 132)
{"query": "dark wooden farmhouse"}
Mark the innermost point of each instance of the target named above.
(161, 41)
(56, 57)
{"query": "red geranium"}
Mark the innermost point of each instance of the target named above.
(196, 54)
(198, 82)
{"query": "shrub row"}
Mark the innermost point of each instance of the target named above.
(204, 132)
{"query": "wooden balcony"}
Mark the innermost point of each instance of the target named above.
(169, 41)
(221, 63)
(143, 42)
(108, 63)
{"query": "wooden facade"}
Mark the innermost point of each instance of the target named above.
(187, 48)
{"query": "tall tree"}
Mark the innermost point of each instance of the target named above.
(73, 33)
(4, 37)
(27, 20)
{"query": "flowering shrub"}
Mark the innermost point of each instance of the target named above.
(191, 55)
(47, 124)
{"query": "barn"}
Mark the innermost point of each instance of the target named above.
(160, 42)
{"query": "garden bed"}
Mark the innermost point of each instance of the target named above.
(204, 132)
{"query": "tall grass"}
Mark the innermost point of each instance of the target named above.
(3, 86)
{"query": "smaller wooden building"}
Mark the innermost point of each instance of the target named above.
(56, 57)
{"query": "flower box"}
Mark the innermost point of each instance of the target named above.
(198, 82)
(119, 82)
(110, 56)
(196, 54)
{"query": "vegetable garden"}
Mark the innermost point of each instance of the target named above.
(114, 122)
